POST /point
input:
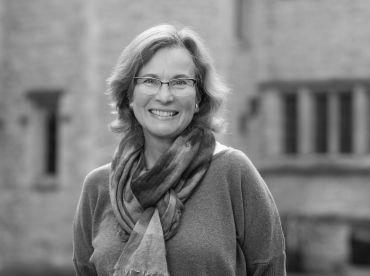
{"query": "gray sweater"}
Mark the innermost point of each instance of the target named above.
(230, 225)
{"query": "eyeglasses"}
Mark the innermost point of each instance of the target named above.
(177, 86)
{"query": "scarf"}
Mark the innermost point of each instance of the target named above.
(148, 203)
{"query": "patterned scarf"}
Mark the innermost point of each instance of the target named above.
(148, 204)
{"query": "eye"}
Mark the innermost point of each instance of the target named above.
(150, 81)
(179, 83)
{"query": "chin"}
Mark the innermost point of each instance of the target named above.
(166, 133)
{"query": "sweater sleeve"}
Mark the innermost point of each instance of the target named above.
(83, 229)
(262, 238)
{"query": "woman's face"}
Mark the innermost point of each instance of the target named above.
(166, 113)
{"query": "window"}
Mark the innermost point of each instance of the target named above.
(51, 157)
(317, 118)
(360, 245)
(43, 138)
(290, 125)
(321, 122)
(345, 122)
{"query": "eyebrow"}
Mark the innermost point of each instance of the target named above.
(178, 76)
(149, 76)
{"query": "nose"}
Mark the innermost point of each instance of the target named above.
(164, 94)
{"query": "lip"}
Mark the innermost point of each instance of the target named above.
(163, 113)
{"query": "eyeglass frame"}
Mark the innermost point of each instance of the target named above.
(167, 82)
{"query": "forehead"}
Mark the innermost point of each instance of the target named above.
(169, 62)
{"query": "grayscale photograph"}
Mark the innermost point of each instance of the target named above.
(185, 138)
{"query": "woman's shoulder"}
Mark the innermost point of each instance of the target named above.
(235, 158)
(240, 172)
(96, 178)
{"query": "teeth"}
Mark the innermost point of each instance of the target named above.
(162, 113)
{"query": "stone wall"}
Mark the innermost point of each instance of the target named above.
(70, 47)
(307, 42)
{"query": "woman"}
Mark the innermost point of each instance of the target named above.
(174, 201)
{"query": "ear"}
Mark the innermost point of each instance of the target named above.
(198, 97)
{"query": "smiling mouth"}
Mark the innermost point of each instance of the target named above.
(162, 113)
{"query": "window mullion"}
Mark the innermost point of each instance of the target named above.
(305, 121)
(333, 138)
(361, 113)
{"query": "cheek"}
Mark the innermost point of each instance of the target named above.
(189, 103)
(188, 108)
(138, 106)
(139, 100)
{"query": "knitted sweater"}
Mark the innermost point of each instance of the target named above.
(230, 225)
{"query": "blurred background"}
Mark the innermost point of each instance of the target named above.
(300, 109)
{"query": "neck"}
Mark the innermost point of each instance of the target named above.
(153, 149)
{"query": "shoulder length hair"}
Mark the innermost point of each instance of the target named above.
(211, 90)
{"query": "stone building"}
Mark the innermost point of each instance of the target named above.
(300, 108)
(54, 59)
(312, 125)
